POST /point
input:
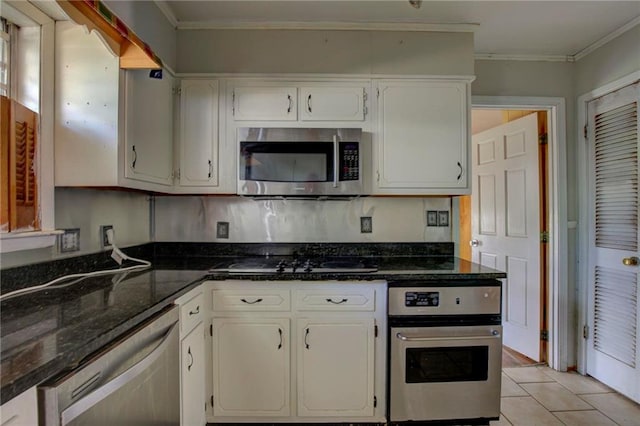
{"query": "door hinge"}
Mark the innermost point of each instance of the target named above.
(375, 401)
(544, 335)
(543, 138)
(375, 331)
(544, 236)
(233, 103)
(586, 131)
(585, 332)
(211, 330)
(211, 400)
(365, 110)
(378, 93)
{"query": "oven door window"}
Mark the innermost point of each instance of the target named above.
(286, 161)
(446, 364)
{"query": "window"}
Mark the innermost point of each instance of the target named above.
(26, 84)
(4, 57)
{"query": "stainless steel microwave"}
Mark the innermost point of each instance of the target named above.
(300, 161)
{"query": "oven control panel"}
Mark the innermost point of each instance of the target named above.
(422, 298)
(444, 300)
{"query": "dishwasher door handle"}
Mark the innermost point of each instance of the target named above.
(494, 334)
(85, 403)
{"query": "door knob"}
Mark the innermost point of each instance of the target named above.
(474, 243)
(630, 261)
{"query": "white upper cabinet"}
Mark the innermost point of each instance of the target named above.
(199, 133)
(259, 103)
(291, 101)
(149, 127)
(422, 141)
(335, 103)
(112, 127)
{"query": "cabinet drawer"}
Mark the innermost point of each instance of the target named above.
(338, 299)
(259, 299)
(191, 313)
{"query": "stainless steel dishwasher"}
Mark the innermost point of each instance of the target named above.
(134, 381)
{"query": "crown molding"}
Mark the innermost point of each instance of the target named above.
(327, 26)
(606, 39)
(167, 12)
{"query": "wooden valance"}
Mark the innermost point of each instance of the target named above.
(96, 16)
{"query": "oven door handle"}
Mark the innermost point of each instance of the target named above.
(494, 334)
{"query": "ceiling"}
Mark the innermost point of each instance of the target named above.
(502, 28)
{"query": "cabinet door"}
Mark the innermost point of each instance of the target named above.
(149, 127)
(332, 103)
(264, 103)
(21, 410)
(251, 367)
(199, 133)
(422, 144)
(335, 367)
(192, 376)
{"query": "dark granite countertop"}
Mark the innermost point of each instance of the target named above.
(51, 331)
(45, 333)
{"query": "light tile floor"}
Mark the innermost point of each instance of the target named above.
(537, 395)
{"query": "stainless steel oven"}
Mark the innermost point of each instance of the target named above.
(301, 161)
(445, 353)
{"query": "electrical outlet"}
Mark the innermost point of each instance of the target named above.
(366, 225)
(432, 218)
(70, 240)
(222, 229)
(443, 218)
(104, 237)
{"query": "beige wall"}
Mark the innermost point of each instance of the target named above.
(618, 58)
(87, 209)
(307, 51)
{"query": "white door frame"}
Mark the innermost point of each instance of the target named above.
(583, 198)
(557, 255)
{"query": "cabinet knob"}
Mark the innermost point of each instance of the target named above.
(630, 261)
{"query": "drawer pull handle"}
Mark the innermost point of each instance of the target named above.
(280, 344)
(190, 359)
(251, 303)
(336, 303)
(196, 312)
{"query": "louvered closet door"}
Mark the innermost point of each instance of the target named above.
(614, 320)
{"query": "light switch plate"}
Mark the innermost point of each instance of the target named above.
(70, 240)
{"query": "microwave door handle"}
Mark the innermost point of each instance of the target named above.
(335, 161)
(85, 403)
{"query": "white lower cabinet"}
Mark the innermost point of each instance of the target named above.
(335, 367)
(293, 351)
(192, 378)
(251, 367)
(193, 359)
(21, 410)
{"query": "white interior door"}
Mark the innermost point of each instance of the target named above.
(612, 354)
(506, 224)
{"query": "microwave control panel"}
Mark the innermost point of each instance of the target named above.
(349, 161)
